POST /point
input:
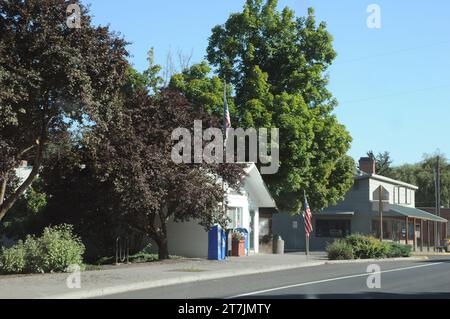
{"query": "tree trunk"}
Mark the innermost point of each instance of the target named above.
(4, 182)
(163, 249)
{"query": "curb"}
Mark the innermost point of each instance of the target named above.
(356, 261)
(102, 292)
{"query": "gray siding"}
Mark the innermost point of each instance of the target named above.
(357, 200)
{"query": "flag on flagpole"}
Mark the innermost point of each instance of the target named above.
(226, 114)
(307, 217)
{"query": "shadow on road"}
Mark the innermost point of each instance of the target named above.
(438, 260)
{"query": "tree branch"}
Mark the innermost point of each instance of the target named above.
(11, 200)
(3, 189)
(22, 153)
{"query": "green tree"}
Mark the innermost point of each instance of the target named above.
(422, 175)
(51, 76)
(150, 79)
(276, 64)
(204, 92)
(383, 163)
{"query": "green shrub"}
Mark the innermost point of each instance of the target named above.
(143, 257)
(367, 247)
(12, 260)
(54, 251)
(398, 250)
(339, 250)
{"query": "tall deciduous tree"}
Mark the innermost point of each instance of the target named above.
(277, 65)
(134, 155)
(383, 163)
(422, 175)
(50, 76)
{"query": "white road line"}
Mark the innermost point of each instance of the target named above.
(330, 279)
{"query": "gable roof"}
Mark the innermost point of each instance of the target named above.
(257, 188)
(360, 175)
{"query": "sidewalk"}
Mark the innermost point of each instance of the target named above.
(118, 279)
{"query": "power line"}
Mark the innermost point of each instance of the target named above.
(396, 94)
(391, 53)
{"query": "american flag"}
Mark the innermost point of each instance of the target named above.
(226, 113)
(307, 217)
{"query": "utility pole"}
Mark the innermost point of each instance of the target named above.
(380, 210)
(438, 199)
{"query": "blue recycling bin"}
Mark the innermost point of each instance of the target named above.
(216, 243)
(247, 239)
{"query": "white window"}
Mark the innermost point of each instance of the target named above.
(402, 195)
(235, 214)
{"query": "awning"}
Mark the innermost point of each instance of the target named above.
(335, 213)
(411, 212)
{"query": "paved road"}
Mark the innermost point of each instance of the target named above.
(413, 279)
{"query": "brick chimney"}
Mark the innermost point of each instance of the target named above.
(367, 165)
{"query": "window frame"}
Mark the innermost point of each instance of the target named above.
(346, 230)
(236, 211)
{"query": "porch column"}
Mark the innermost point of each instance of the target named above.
(421, 235)
(414, 234)
(434, 236)
(392, 228)
(445, 229)
(407, 230)
(428, 234)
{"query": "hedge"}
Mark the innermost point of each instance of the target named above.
(358, 246)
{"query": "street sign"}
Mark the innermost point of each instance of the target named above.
(380, 195)
(385, 204)
(384, 194)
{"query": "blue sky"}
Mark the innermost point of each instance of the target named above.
(392, 84)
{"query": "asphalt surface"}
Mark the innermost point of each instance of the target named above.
(398, 280)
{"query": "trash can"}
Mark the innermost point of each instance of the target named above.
(278, 245)
(216, 243)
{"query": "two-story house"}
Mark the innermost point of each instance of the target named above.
(359, 213)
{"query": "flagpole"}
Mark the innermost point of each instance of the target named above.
(307, 244)
(308, 226)
(223, 159)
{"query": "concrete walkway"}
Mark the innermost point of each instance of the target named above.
(118, 279)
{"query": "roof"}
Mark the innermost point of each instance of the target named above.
(23, 172)
(363, 175)
(333, 212)
(432, 210)
(257, 188)
(413, 213)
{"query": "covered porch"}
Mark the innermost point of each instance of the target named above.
(412, 226)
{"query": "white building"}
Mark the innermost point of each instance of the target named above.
(250, 209)
(23, 171)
